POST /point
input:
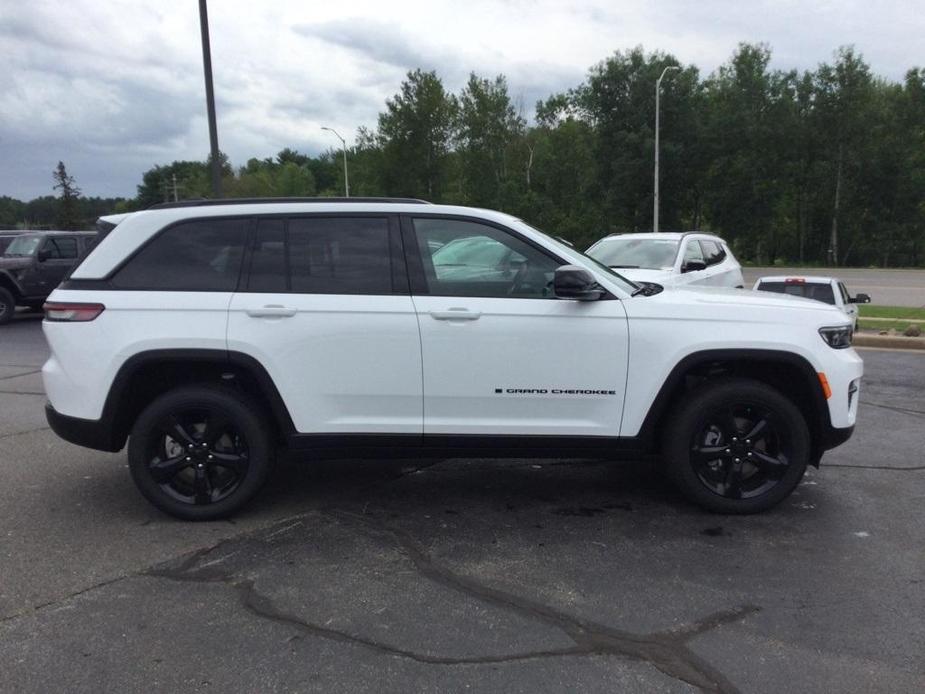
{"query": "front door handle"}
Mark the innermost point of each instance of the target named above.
(456, 314)
(271, 311)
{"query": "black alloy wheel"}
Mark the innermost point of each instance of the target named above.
(736, 445)
(197, 456)
(740, 452)
(200, 452)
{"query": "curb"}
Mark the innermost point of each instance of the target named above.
(888, 341)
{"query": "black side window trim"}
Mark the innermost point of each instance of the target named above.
(399, 273)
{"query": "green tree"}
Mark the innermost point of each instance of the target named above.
(68, 216)
(414, 134)
(487, 127)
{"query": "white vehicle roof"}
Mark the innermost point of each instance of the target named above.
(665, 235)
(808, 279)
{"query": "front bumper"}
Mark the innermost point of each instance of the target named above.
(89, 433)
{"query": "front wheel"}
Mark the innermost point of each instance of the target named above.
(200, 452)
(736, 446)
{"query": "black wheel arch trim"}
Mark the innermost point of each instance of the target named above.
(825, 436)
(110, 431)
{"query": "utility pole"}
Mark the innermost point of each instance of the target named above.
(344, 145)
(175, 187)
(210, 100)
(658, 85)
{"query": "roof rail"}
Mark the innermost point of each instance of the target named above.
(204, 202)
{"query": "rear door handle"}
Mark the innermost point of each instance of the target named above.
(456, 314)
(271, 311)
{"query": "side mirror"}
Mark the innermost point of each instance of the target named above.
(693, 266)
(574, 282)
(43, 255)
(860, 299)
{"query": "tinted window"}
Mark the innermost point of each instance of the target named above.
(808, 290)
(60, 248)
(192, 256)
(692, 252)
(268, 259)
(713, 252)
(470, 259)
(339, 255)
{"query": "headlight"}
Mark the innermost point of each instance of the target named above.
(837, 337)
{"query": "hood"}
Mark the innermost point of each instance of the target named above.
(721, 305)
(15, 263)
(640, 274)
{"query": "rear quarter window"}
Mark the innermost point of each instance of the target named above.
(202, 255)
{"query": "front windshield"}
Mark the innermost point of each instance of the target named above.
(22, 246)
(627, 285)
(651, 254)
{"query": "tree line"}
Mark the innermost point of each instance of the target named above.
(823, 166)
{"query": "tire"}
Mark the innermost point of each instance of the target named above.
(7, 306)
(200, 452)
(766, 437)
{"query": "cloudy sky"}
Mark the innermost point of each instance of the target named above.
(113, 87)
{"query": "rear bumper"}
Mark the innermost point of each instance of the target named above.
(89, 433)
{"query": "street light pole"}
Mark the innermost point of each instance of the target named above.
(210, 100)
(658, 85)
(344, 144)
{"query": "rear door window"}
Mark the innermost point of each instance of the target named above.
(321, 255)
(201, 255)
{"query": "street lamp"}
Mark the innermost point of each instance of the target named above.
(344, 143)
(658, 85)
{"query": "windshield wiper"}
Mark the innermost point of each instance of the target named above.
(622, 267)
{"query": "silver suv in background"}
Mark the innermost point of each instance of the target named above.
(671, 259)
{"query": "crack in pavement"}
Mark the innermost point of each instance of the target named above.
(893, 408)
(666, 651)
(27, 373)
(903, 468)
(23, 433)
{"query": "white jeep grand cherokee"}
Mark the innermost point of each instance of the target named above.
(210, 335)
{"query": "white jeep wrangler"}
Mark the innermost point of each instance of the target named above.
(209, 335)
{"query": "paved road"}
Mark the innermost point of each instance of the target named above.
(886, 287)
(515, 576)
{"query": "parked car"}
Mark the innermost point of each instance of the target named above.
(34, 263)
(830, 290)
(670, 259)
(211, 335)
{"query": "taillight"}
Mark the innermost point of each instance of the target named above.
(71, 313)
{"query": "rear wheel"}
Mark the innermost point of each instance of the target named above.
(737, 446)
(7, 305)
(200, 452)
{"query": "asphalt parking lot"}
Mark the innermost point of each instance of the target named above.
(515, 576)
